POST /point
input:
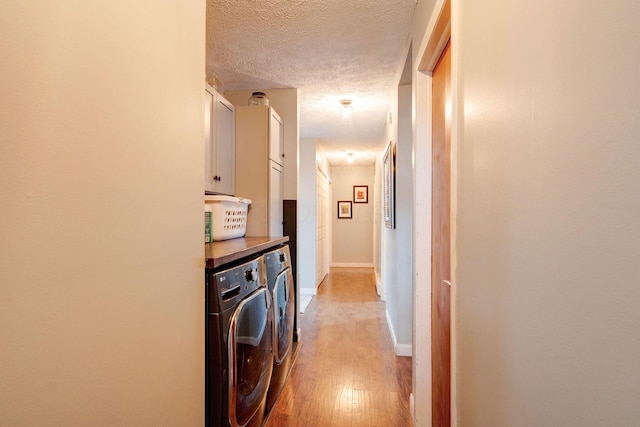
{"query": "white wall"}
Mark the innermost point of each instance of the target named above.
(403, 287)
(377, 219)
(352, 239)
(548, 230)
(307, 226)
(396, 263)
(388, 236)
(285, 102)
(101, 181)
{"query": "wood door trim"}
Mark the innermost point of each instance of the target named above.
(438, 40)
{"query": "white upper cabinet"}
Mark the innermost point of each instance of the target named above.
(259, 170)
(220, 127)
(276, 138)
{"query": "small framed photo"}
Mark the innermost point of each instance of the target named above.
(344, 209)
(360, 194)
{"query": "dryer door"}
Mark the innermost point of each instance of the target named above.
(283, 313)
(250, 357)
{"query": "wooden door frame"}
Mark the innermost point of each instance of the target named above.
(439, 32)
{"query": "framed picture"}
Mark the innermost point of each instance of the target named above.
(344, 209)
(389, 190)
(360, 194)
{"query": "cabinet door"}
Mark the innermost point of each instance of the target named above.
(209, 141)
(275, 199)
(225, 128)
(276, 138)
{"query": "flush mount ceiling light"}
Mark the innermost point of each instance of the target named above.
(346, 108)
(349, 157)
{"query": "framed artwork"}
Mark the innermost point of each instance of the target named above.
(360, 194)
(344, 209)
(389, 189)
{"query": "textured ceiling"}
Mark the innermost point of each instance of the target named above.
(328, 49)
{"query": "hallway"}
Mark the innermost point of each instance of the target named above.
(346, 373)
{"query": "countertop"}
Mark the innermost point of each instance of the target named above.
(226, 251)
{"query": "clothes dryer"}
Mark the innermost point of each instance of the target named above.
(281, 286)
(239, 352)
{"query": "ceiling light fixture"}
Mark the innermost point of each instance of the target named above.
(346, 108)
(349, 157)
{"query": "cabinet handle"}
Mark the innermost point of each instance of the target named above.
(217, 178)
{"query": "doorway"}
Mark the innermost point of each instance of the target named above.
(324, 226)
(434, 297)
(441, 242)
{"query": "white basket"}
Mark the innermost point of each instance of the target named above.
(228, 218)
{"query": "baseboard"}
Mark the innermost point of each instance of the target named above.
(352, 264)
(404, 350)
(308, 291)
(390, 327)
(400, 349)
(412, 408)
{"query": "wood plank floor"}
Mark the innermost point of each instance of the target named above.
(346, 372)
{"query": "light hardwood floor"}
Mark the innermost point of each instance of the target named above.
(346, 372)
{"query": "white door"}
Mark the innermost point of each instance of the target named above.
(322, 220)
(275, 199)
(209, 183)
(225, 137)
(276, 137)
